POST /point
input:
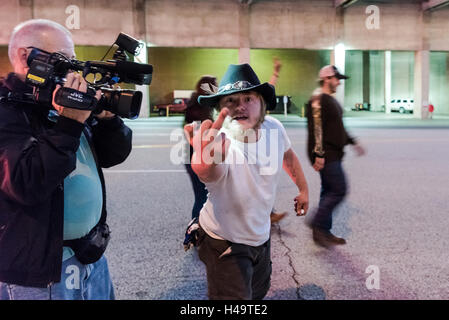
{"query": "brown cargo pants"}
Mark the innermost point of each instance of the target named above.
(235, 271)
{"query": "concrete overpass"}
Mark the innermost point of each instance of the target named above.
(336, 25)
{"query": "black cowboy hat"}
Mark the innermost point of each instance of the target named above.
(240, 78)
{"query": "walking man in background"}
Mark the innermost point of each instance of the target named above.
(327, 138)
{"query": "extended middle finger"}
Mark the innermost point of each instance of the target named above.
(216, 126)
(218, 123)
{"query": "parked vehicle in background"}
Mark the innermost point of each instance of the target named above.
(180, 99)
(402, 105)
(179, 105)
(362, 106)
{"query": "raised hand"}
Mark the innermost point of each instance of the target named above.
(209, 145)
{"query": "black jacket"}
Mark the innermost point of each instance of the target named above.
(195, 111)
(35, 157)
(327, 119)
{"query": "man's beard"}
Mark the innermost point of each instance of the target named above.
(333, 88)
(235, 131)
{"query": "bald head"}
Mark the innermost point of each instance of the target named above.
(39, 33)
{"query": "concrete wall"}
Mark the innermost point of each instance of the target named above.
(375, 83)
(298, 74)
(192, 23)
(275, 25)
(307, 24)
(437, 30)
(5, 66)
(377, 80)
(180, 69)
(401, 78)
(400, 26)
(100, 20)
(439, 82)
(353, 85)
(402, 72)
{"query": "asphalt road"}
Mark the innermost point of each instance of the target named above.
(395, 220)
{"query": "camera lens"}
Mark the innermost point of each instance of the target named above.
(122, 102)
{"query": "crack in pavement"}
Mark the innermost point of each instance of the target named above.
(290, 261)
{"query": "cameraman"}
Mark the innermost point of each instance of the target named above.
(51, 184)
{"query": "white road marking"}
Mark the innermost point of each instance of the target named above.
(143, 171)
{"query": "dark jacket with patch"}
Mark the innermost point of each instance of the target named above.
(36, 155)
(327, 136)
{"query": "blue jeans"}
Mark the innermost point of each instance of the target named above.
(199, 189)
(333, 191)
(78, 282)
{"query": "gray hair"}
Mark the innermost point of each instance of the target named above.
(28, 34)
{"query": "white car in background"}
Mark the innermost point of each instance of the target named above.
(402, 105)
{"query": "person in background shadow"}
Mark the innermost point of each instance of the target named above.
(197, 112)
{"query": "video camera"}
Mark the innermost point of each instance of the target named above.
(49, 69)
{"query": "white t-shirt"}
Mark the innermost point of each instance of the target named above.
(239, 203)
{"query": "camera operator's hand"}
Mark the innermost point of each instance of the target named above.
(77, 82)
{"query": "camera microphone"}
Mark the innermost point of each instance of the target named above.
(137, 73)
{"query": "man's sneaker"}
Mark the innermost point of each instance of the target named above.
(277, 216)
(325, 238)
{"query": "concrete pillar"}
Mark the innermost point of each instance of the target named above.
(366, 76)
(338, 59)
(25, 10)
(421, 84)
(421, 71)
(339, 52)
(244, 41)
(139, 19)
(244, 55)
(139, 23)
(332, 58)
(387, 81)
(145, 106)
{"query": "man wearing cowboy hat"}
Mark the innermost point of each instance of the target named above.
(239, 157)
(326, 141)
